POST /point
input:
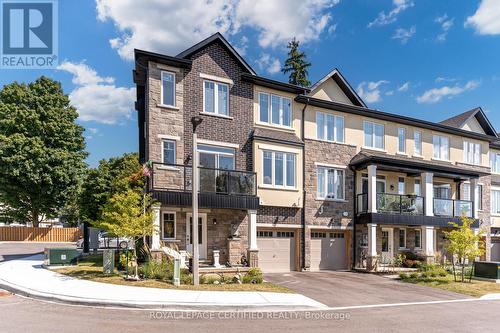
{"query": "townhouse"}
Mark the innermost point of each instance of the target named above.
(295, 178)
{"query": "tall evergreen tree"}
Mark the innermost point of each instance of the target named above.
(42, 150)
(297, 65)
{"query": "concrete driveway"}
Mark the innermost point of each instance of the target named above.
(339, 289)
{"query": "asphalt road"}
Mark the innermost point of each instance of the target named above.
(16, 250)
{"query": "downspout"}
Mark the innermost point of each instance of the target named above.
(354, 218)
(303, 214)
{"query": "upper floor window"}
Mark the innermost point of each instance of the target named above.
(168, 151)
(374, 135)
(279, 168)
(330, 127)
(495, 202)
(417, 189)
(168, 88)
(331, 183)
(417, 137)
(215, 157)
(402, 140)
(495, 162)
(441, 147)
(216, 98)
(274, 109)
(479, 194)
(472, 153)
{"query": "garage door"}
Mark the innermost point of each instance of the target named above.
(276, 251)
(495, 251)
(328, 251)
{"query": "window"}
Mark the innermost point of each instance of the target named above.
(264, 234)
(417, 137)
(479, 194)
(275, 109)
(168, 226)
(285, 234)
(374, 135)
(441, 147)
(318, 234)
(168, 151)
(279, 169)
(417, 189)
(330, 183)
(402, 238)
(215, 157)
(418, 238)
(495, 162)
(216, 98)
(402, 140)
(329, 127)
(168, 88)
(495, 202)
(401, 185)
(363, 242)
(472, 153)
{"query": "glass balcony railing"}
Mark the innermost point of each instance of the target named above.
(393, 204)
(452, 208)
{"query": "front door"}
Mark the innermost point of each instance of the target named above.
(387, 245)
(202, 235)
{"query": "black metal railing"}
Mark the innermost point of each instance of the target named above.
(453, 208)
(178, 177)
(393, 204)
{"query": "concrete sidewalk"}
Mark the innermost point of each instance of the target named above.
(27, 277)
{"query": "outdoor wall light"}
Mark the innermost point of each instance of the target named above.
(392, 187)
(215, 221)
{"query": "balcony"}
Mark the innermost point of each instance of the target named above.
(219, 188)
(453, 208)
(393, 204)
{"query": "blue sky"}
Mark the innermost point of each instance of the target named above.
(422, 58)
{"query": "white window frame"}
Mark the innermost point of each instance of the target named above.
(419, 247)
(402, 135)
(418, 134)
(216, 99)
(163, 222)
(495, 163)
(419, 182)
(373, 139)
(273, 169)
(399, 239)
(439, 156)
(325, 169)
(404, 185)
(270, 112)
(472, 153)
(161, 89)
(495, 194)
(325, 127)
(163, 141)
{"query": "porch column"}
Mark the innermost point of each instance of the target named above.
(253, 251)
(371, 260)
(428, 192)
(155, 239)
(428, 238)
(372, 188)
(474, 197)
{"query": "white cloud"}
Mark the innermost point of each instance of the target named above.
(390, 17)
(242, 46)
(97, 98)
(404, 34)
(268, 63)
(486, 20)
(445, 79)
(170, 26)
(93, 130)
(446, 24)
(370, 91)
(437, 94)
(404, 87)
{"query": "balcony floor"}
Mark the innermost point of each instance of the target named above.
(207, 200)
(401, 219)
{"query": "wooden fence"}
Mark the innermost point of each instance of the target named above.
(30, 234)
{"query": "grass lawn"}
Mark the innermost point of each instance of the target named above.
(475, 288)
(91, 269)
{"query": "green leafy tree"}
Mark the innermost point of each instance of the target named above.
(110, 177)
(464, 243)
(42, 150)
(125, 215)
(296, 65)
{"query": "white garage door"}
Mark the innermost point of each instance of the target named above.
(276, 251)
(328, 251)
(495, 250)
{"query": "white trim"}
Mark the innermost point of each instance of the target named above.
(277, 147)
(169, 137)
(277, 188)
(325, 127)
(440, 158)
(216, 115)
(274, 126)
(374, 149)
(373, 135)
(415, 143)
(270, 112)
(390, 241)
(161, 90)
(216, 78)
(163, 150)
(399, 244)
(218, 143)
(325, 184)
(162, 222)
(204, 227)
(273, 170)
(418, 247)
(320, 164)
(169, 107)
(216, 100)
(279, 225)
(404, 141)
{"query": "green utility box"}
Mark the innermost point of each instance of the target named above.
(487, 270)
(60, 256)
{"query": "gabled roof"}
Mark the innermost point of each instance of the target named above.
(217, 37)
(460, 120)
(343, 84)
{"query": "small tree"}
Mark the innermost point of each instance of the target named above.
(125, 215)
(464, 244)
(297, 65)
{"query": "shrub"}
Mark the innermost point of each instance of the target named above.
(414, 275)
(122, 263)
(425, 275)
(403, 276)
(186, 277)
(157, 270)
(254, 275)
